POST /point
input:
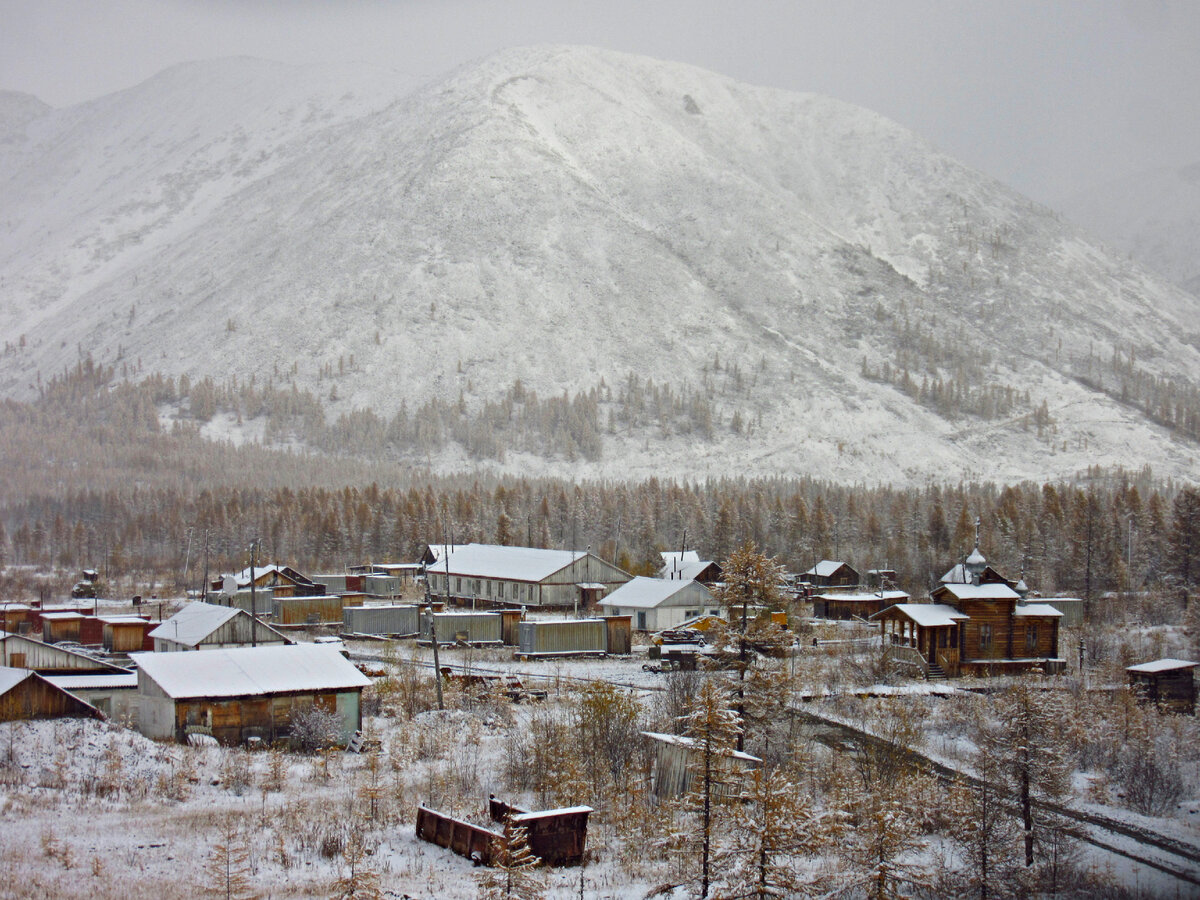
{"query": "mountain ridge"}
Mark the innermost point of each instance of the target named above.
(565, 215)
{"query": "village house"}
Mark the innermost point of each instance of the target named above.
(522, 576)
(246, 692)
(279, 580)
(657, 603)
(206, 626)
(829, 573)
(974, 626)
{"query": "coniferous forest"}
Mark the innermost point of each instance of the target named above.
(91, 478)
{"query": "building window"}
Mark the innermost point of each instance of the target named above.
(985, 637)
(1031, 637)
(458, 585)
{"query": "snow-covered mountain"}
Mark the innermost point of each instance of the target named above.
(562, 215)
(1153, 216)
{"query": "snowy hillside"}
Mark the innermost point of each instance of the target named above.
(1153, 216)
(563, 215)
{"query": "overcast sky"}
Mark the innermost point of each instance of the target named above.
(1051, 97)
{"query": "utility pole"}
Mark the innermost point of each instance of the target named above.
(204, 589)
(253, 595)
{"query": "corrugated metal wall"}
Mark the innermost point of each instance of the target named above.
(563, 636)
(476, 627)
(398, 619)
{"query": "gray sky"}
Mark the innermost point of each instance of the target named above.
(1051, 96)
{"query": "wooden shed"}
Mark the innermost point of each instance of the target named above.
(23, 652)
(325, 609)
(126, 634)
(675, 761)
(240, 693)
(850, 605)
(1167, 683)
(24, 695)
(62, 626)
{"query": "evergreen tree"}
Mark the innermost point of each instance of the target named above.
(714, 728)
(511, 875)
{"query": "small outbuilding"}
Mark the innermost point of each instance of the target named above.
(658, 603)
(1167, 683)
(676, 759)
(850, 605)
(25, 695)
(246, 692)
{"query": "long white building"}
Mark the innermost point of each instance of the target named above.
(522, 576)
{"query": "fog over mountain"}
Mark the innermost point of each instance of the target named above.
(846, 300)
(1154, 217)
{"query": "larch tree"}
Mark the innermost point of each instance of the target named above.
(511, 875)
(714, 729)
(1027, 742)
(749, 578)
(774, 824)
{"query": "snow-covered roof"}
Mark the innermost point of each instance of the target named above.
(958, 574)
(928, 615)
(648, 593)
(679, 556)
(1036, 609)
(94, 682)
(995, 591)
(543, 813)
(825, 568)
(251, 671)
(976, 558)
(680, 740)
(62, 616)
(1163, 665)
(123, 620)
(511, 563)
(243, 577)
(194, 623)
(863, 596)
(10, 678)
(687, 570)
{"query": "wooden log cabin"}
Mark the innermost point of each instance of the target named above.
(974, 627)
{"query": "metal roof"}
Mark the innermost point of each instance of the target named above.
(980, 591)
(1163, 665)
(531, 564)
(649, 593)
(928, 615)
(251, 671)
(194, 622)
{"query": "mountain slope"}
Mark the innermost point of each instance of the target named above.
(566, 215)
